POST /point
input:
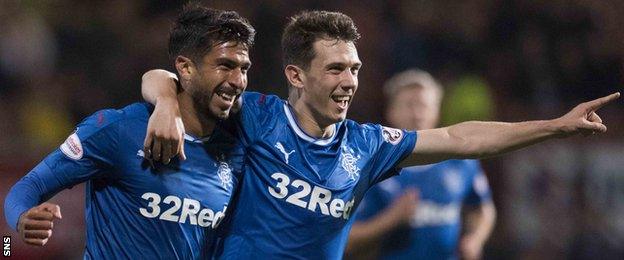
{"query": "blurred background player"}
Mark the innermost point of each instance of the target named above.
(417, 215)
(133, 210)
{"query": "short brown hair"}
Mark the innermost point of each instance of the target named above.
(306, 27)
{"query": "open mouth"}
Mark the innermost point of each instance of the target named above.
(228, 94)
(342, 101)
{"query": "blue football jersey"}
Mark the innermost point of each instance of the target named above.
(134, 211)
(435, 227)
(298, 192)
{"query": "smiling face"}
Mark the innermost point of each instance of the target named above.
(218, 81)
(330, 82)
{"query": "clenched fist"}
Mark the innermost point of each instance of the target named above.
(35, 225)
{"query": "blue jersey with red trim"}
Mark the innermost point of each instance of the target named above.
(299, 192)
(133, 210)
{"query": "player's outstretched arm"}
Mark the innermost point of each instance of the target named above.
(165, 130)
(35, 225)
(471, 140)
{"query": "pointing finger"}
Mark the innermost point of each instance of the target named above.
(600, 102)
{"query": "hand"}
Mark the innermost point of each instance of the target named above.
(583, 118)
(470, 248)
(165, 133)
(403, 209)
(35, 225)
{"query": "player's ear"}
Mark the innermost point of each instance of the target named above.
(295, 75)
(185, 67)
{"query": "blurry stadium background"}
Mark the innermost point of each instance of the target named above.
(505, 60)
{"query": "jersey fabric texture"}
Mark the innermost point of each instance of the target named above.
(298, 192)
(435, 227)
(134, 211)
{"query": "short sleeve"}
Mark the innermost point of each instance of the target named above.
(390, 147)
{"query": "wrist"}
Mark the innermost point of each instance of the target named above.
(167, 101)
(18, 225)
(555, 127)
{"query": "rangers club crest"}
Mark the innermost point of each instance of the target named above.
(349, 163)
(225, 174)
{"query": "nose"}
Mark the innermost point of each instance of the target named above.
(349, 80)
(237, 78)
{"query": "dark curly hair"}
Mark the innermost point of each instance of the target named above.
(307, 27)
(197, 29)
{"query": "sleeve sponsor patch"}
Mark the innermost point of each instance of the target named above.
(72, 147)
(391, 135)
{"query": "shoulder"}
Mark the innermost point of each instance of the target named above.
(106, 119)
(259, 100)
(259, 110)
(364, 130)
(378, 132)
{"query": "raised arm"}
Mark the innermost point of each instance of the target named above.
(23, 211)
(165, 130)
(470, 140)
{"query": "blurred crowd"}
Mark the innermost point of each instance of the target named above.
(498, 60)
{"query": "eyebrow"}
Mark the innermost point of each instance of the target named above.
(234, 63)
(342, 64)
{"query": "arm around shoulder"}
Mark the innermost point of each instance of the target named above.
(158, 84)
(165, 130)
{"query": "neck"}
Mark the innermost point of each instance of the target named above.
(307, 121)
(198, 124)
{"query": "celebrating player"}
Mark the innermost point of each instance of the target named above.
(308, 167)
(416, 215)
(134, 211)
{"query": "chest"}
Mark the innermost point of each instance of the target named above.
(335, 165)
(195, 191)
